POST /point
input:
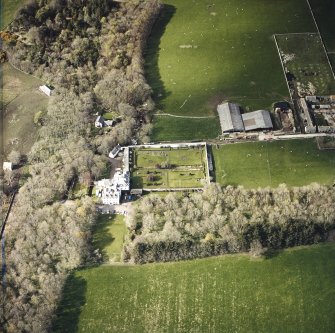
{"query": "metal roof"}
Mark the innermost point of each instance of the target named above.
(230, 117)
(259, 119)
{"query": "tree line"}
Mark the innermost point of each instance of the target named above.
(228, 220)
(86, 49)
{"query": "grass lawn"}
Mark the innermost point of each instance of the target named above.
(170, 129)
(261, 164)
(201, 54)
(9, 8)
(187, 168)
(109, 233)
(308, 63)
(290, 292)
(22, 100)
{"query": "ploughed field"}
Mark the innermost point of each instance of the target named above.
(261, 164)
(202, 53)
(292, 291)
(168, 168)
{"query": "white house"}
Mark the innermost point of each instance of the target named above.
(110, 190)
(102, 122)
(7, 166)
(46, 89)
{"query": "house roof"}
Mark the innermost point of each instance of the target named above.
(100, 119)
(230, 117)
(259, 119)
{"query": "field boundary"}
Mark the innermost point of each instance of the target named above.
(283, 68)
(322, 42)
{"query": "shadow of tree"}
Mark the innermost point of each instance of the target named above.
(102, 237)
(69, 309)
(152, 52)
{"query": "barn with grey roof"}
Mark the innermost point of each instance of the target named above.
(231, 119)
(256, 120)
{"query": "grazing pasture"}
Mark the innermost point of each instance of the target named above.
(291, 291)
(202, 53)
(165, 168)
(261, 164)
(324, 13)
(21, 100)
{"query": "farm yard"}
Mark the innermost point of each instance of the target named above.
(262, 164)
(304, 57)
(21, 100)
(221, 51)
(291, 291)
(169, 168)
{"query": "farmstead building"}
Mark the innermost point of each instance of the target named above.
(231, 119)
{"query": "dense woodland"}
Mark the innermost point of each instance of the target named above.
(91, 52)
(228, 220)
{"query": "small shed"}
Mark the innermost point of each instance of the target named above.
(48, 90)
(7, 166)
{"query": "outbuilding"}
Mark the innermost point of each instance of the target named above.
(230, 117)
(48, 90)
(257, 120)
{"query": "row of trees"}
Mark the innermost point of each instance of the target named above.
(75, 45)
(226, 220)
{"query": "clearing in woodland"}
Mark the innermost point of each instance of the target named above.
(262, 164)
(292, 291)
(202, 53)
(22, 100)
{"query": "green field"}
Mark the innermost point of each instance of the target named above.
(324, 13)
(109, 233)
(307, 61)
(9, 8)
(179, 168)
(201, 54)
(294, 291)
(22, 100)
(261, 164)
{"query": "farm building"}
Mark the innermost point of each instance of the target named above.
(230, 117)
(257, 120)
(115, 151)
(46, 90)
